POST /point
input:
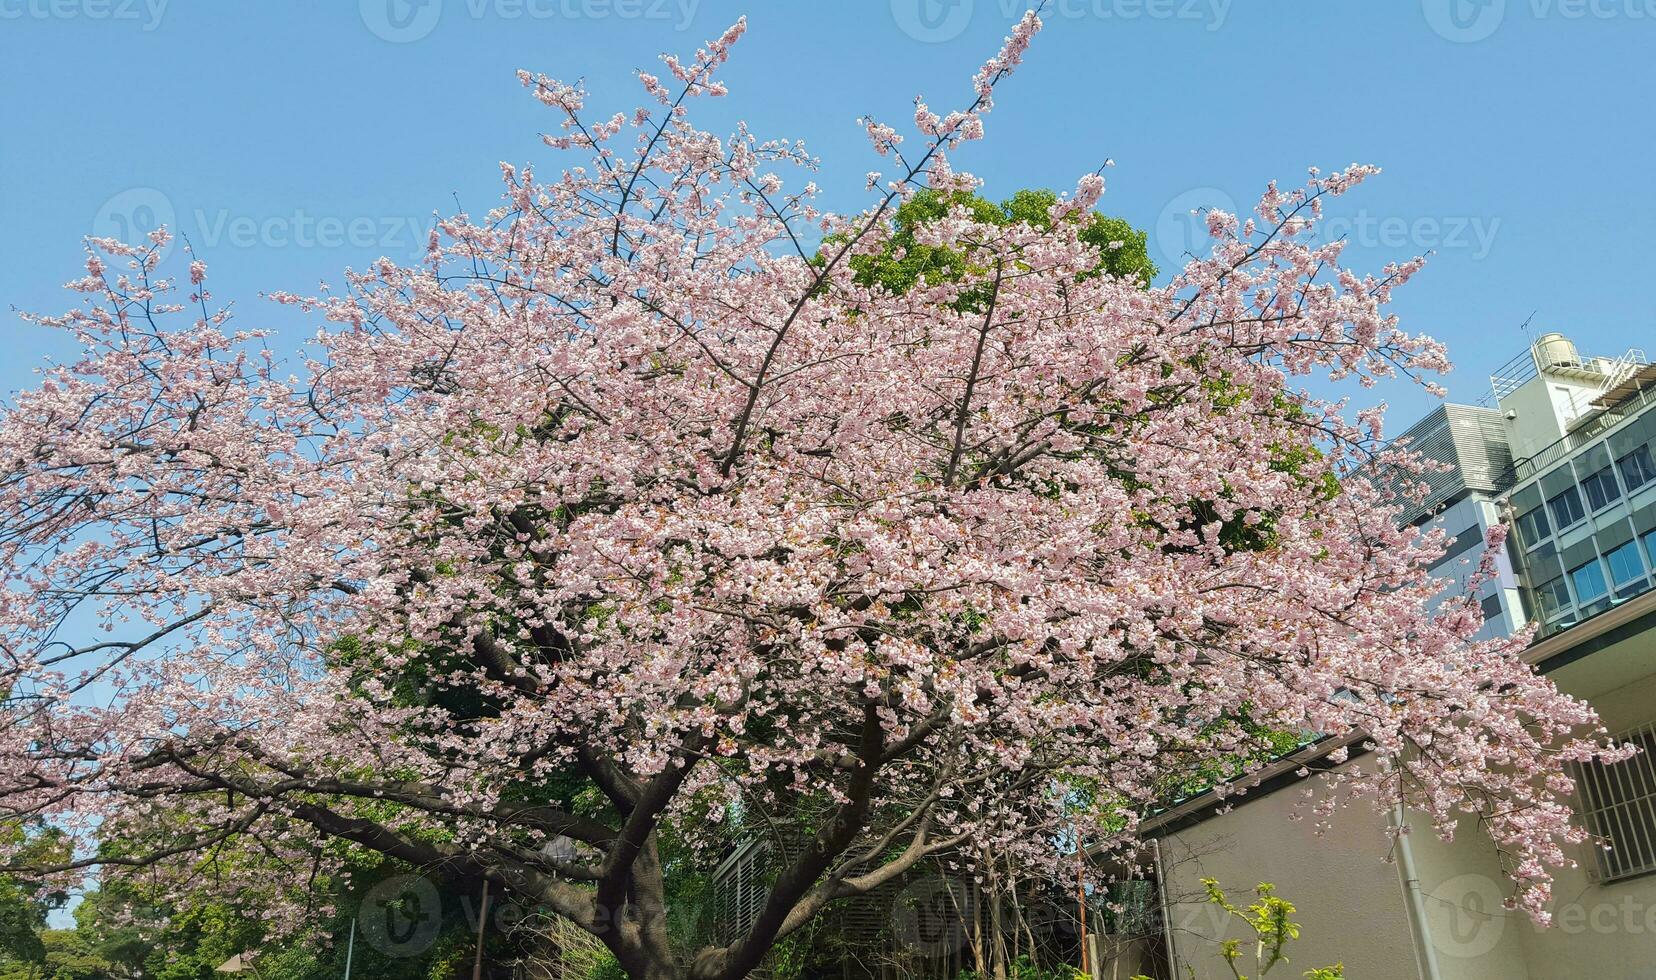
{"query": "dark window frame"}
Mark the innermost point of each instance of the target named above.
(1572, 496)
(1629, 547)
(1575, 583)
(1556, 590)
(1637, 468)
(1600, 484)
(1527, 532)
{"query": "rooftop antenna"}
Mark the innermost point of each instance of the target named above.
(1529, 342)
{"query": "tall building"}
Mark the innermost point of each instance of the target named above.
(1561, 449)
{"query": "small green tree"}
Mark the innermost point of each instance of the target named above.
(23, 906)
(1270, 921)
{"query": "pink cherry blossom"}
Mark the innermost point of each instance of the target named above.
(697, 513)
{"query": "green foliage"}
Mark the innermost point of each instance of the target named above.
(23, 909)
(126, 930)
(899, 273)
(1269, 744)
(64, 955)
(1024, 968)
(607, 968)
(1269, 921)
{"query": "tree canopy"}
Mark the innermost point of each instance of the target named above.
(627, 510)
(905, 260)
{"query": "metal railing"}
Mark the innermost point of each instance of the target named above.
(1508, 378)
(1622, 367)
(1523, 469)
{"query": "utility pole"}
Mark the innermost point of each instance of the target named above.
(1081, 897)
(350, 948)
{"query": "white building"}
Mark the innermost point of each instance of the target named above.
(1564, 450)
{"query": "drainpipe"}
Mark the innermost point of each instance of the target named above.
(1166, 917)
(1425, 952)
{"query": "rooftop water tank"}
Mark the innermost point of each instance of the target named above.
(1554, 350)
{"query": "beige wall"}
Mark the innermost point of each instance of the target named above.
(1352, 906)
(1602, 932)
(1350, 900)
(1473, 937)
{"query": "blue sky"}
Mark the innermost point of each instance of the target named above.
(292, 139)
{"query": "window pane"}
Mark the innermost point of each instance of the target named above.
(1637, 468)
(1589, 582)
(1532, 526)
(1460, 544)
(1624, 564)
(1566, 508)
(1601, 489)
(1553, 597)
(1650, 547)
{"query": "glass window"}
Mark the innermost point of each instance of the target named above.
(1637, 468)
(1460, 544)
(1532, 526)
(1589, 582)
(1601, 489)
(1625, 565)
(1553, 597)
(1566, 508)
(1650, 547)
(1491, 606)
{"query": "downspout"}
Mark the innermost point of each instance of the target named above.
(1166, 917)
(1414, 901)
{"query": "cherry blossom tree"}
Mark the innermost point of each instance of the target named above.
(633, 505)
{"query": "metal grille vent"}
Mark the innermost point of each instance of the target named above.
(1618, 804)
